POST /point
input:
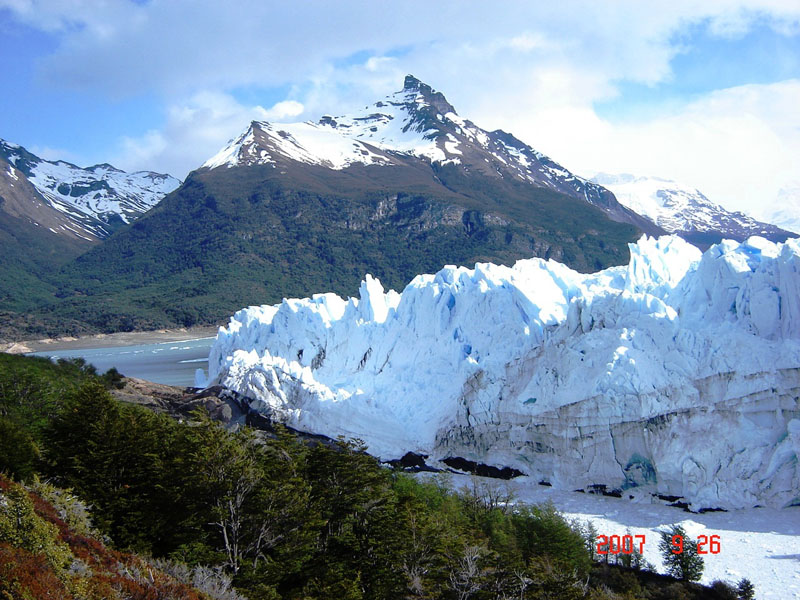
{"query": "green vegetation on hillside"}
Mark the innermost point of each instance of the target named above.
(29, 260)
(48, 549)
(229, 238)
(280, 517)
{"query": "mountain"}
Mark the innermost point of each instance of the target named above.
(685, 211)
(51, 213)
(415, 124)
(96, 200)
(285, 210)
(22, 200)
(36, 239)
(786, 211)
(677, 375)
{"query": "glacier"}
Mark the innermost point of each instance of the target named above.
(677, 374)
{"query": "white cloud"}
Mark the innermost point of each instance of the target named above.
(283, 110)
(739, 146)
(50, 153)
(180, 46)
(534, 69)
(196, 130)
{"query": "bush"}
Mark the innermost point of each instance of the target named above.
(724, 590)
(70, 509)
(21, 527)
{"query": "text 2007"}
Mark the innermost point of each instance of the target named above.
(614, 544)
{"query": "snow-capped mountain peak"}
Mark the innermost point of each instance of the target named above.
(682, 209)
(410, 122)
(412, 126)
(97, 198)
(412, 85)
(415, 121)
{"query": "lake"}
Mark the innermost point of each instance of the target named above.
(171, 363)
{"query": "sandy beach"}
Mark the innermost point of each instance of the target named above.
(110, 340)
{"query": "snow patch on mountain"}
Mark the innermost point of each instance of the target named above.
(101, 189)
(678, 373)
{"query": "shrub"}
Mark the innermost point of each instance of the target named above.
(724, 590)
(70, 509)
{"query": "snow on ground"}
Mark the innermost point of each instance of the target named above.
(761, 544)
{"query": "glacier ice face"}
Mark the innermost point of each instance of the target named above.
(678, 374)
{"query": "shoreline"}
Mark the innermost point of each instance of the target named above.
(111, 340)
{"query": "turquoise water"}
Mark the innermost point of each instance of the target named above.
(171, 363)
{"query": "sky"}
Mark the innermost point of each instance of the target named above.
(704, 93)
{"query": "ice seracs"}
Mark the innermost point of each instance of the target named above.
(678, 373)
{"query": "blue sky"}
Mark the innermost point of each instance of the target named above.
(706, 62)
(706, 95)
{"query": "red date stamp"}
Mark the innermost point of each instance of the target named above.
(626, 544)
(614, 544)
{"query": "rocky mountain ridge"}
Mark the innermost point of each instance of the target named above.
(416, 123)
(686, 211)
(93, 201)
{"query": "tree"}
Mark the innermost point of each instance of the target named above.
(117, 457)
(555, 579)
(634, 559)
(588, 532)
(542, 531)
(227, 469)
(360, 539)
(680, 554)
(746, 590)
(467, 573)
(18, 452)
